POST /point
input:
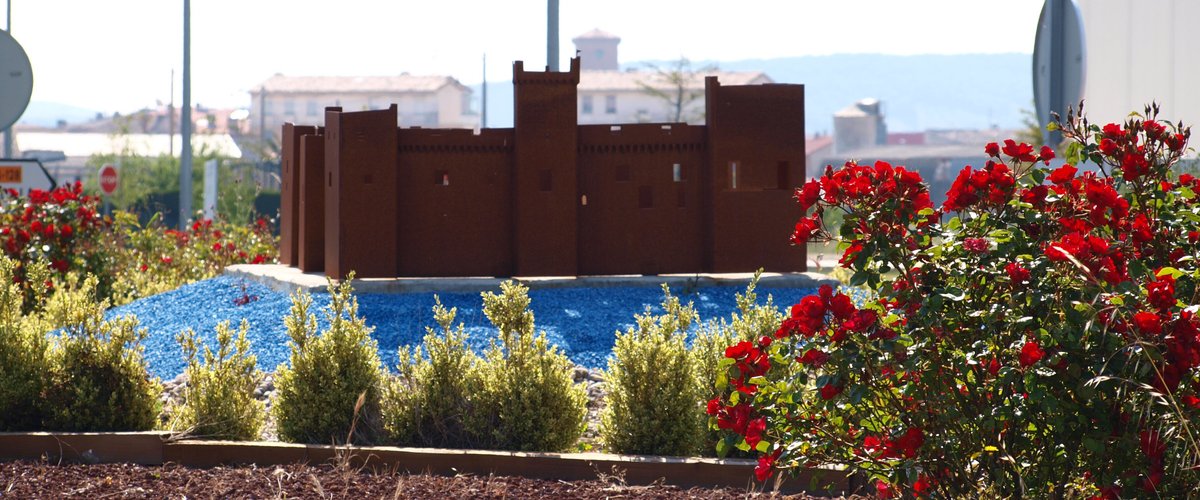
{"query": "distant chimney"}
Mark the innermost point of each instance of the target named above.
(860, 125)
(597, 50)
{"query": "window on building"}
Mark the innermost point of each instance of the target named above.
(677, 172)
(289, 107)
(587, 104)
(646, 197)
(610, 104)
(266, 104)
(623, 174)
(733, 174)
(313, 108)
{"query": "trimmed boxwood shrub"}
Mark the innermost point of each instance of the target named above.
(318, 395)
(218, 402)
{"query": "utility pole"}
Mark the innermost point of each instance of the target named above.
(552, 35)
(483, 118)
(185, 160)
(171, 118)
(8, 140)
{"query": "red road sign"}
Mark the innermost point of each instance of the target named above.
(108, 179)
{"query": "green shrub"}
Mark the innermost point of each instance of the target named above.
(751, 321)
(218, 402)
(316, 395)
(23, 353)
(527, 400)
(653, 402)
(426, 403)
(98, 378)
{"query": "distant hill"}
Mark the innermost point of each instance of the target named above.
(918, 92)
(47, 114)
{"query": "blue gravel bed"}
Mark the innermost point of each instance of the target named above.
(581, 321)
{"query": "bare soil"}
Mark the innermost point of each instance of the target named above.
(33, 480)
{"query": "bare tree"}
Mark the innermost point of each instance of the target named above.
(677, 86)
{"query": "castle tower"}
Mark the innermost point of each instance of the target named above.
(545, 186)
(597, 50)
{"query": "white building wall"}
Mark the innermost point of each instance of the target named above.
(1140, 51)
(635, 107)
(442, 109)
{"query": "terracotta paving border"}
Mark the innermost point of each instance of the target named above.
(155, 448)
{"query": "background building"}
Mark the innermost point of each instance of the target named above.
(644, 95)
(422, 101)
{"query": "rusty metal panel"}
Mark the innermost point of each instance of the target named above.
(756, 159)
(455, 213)
(289, 202)
(545, 186)
(360, 182)
(635, 194)
(312, 204)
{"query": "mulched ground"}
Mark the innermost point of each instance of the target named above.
(32, 480)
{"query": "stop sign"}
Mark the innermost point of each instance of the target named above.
(108, 179)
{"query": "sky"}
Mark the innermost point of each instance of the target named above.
(118, 55)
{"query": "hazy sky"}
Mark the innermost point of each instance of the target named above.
(117, 55)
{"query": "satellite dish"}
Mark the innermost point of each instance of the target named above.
(16, 80)
(1059, 61)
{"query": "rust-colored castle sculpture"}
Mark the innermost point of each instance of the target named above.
(548, 197)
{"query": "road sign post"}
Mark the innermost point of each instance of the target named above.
(109, 179)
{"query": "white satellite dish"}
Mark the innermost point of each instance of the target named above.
(16, 80)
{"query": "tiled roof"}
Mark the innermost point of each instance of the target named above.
(597, 80)
(596, 33)
(314, 84)
(90, 143)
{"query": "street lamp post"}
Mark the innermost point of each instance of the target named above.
(185, 127)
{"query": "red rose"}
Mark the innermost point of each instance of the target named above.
(1016, 273)
(1147, 322)
(976, 245)
(992, 149)
(828, 391)
(841, 306)
(814, 357)
(1161, 292)
(1063, 174)
(1031, 353)
(1046, 155)
(755, 430)
(808, 195)
(884, 490)
(1021, 152)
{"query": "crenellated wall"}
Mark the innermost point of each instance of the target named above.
(549, 197)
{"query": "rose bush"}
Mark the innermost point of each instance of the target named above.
(61, 227)
(1035, 335)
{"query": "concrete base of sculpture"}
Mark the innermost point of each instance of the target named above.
(287, 279)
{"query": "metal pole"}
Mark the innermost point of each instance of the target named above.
(8, 139)
(185, 160)
(552, 35)
(1058, 25)
(171, 118)
(483, 118)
